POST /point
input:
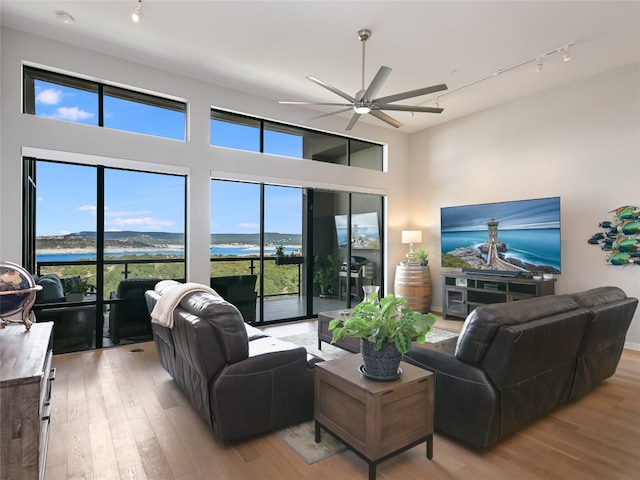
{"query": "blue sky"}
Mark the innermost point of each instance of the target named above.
(79, 106)
(235, 208)
(66, 196)
(149, 202)
(153, 202)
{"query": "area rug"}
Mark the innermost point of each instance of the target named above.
(309, 341)
(301, 439)
(438, 335)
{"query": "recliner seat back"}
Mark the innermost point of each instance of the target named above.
(604, 337)
(481, 325)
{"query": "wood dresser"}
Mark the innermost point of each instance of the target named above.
(25, 391)
(377, 420)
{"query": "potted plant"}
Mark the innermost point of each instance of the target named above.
(75, 288)
(422, 256)
(386, 329)
(284, 259)
(326, 273)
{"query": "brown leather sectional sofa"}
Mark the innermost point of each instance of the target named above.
(514, 362)
(241, 381)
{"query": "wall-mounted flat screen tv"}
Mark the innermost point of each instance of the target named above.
(365, 232)
(513, 238)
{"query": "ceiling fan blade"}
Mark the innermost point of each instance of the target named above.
(318, 103)
(376, 83)
(333, 89)
(352, 121)
(412, 93)
(407, 108)
(329, 114)
(385, 118)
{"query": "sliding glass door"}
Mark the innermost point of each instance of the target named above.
(98, 238)
(347, 243)
(293, 252)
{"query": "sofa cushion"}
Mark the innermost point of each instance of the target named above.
(598, 296)
(481, 325)
(52, 290)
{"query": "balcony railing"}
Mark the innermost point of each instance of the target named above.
(128, 268)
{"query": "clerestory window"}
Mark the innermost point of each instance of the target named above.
(64, 97)
(253, 134)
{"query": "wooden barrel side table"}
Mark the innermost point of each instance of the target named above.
(413, 282)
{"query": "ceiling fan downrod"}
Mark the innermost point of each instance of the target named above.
(363, 36)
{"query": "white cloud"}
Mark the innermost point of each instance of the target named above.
(64, 232)
(72, 113)
(248, 225)
(49, 96)
(125, 213)
(147, 222)
(88, 208)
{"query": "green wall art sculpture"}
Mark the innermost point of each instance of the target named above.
(621, 237)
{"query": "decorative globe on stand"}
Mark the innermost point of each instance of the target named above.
(17, 294)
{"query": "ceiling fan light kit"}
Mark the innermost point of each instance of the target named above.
(365, 101)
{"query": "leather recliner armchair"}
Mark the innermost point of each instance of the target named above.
(239, 290)
(241, 381)
(128, 315)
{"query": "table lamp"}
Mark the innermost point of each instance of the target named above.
(411, 237)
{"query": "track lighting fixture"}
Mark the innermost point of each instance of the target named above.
(64, 17)
(564, 51)
(136, 16)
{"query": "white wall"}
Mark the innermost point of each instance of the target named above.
(28, 134)
(580, 141)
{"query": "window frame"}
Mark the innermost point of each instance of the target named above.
(267, 125)
(31, 74)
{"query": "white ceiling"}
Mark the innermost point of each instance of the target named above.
(268, 47)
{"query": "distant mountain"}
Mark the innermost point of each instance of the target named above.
(270, 238)
(133, 239)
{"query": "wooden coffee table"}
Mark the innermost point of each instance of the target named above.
(325, 335)
(375, 419)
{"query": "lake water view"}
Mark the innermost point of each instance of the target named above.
(227, 250)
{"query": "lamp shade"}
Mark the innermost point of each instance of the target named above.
(411, 236)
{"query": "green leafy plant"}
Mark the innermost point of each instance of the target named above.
(422, 254)
(280, 251)
(75, 285)
(326, 271)
(383, 321)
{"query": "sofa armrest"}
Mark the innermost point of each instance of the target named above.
(467, 406)
(276, 372)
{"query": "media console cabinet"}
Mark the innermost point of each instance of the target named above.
(25, 392)
(463, 292)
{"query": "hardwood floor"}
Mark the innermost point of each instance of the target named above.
(117, 414)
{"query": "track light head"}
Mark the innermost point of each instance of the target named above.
(565, 53)
(64, 17)
(136, 16)
(539, 64)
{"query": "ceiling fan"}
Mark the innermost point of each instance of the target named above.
(365, 102)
